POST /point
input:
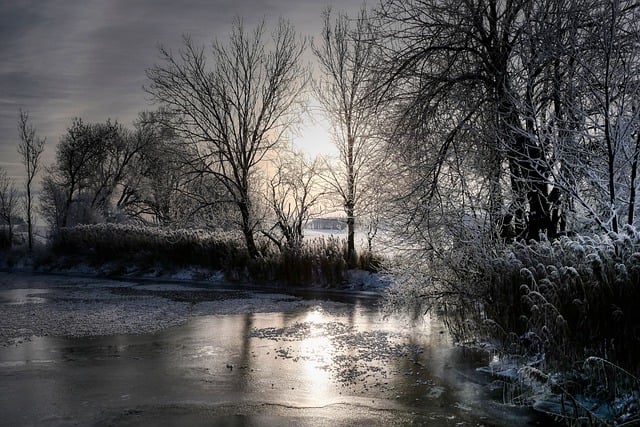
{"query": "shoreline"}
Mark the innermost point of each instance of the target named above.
(40, 304)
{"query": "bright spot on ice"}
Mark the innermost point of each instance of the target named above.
(316, 351)
(314, 316)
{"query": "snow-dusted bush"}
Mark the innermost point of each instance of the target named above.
(570, 298)
(319, 261)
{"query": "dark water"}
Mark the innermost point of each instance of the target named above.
(334, 365)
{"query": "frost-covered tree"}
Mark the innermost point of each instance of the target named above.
(346, 56)
(90, 179)
(602, 157)
(8, 203)
(30, 149)
(457, 75)
(506, 110)
(235, 109)
(154, 187)
(294, 193)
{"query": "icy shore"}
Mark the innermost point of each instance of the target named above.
(47, 305)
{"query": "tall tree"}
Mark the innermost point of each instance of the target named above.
(583, 101)
(30, 148)
(235, 111)
(157, 186)
(462, 74)
(607, 63)
(91, 178)
(8, 203)
(346, 56)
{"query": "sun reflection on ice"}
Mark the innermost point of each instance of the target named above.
(315, 316)
(316, 353)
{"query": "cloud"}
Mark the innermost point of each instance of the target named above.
(87, 58)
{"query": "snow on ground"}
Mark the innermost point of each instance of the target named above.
(367, 281)
(45, 305)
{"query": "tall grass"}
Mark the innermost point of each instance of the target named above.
(571, 306)
(101, 243)
(320, 261)
(570, 299)
(560, 306)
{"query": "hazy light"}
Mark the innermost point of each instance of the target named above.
(313, 136)
(316, 354)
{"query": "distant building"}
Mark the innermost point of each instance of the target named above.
(328, 223)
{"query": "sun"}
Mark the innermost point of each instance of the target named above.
(314, 135)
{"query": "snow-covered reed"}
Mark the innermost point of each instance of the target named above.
(570, 299)
(563, 304)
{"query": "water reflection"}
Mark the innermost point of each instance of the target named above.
(316, 353)
(344, 362)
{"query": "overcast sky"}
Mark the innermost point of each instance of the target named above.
(87, 58)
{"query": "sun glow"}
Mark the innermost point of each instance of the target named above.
(314, 136)
(317, 347)
(315, 316)
(316, 353)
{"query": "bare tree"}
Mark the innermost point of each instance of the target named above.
(583, 101)
(608, 62)
(156, 188)
(346, 56)
(30, 148)
(479, 100)
(294, 194)
(237, 110)
(8, 203)
(76, 155)
(91, 180)
(53, 200)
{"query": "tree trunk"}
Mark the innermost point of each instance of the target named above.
(611, 150)
(247, 230)
(496, 202)
(632, 189)
(351, 246)
(10, 226)
(350, 202)
(67, 207)
(29, 221)
(251, 243)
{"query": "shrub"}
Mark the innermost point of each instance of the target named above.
(101, 243)
(320, 261)
(568, 299)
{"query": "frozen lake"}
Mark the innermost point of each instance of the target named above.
(234, 358)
